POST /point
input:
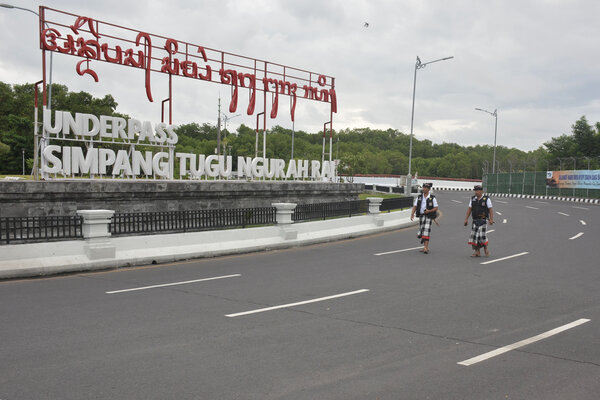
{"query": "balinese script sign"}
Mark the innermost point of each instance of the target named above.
(102, 137)
(94, 41)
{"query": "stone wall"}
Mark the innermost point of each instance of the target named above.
(64, 197)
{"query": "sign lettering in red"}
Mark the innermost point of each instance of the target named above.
(95, 40)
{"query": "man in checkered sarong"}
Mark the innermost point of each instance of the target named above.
(426, 206)
(480, 207)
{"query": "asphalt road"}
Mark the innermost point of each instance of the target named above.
(405, 325)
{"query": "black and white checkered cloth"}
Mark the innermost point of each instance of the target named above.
(478, 237)
(424, 228)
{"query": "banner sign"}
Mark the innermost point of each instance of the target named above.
(580, 179)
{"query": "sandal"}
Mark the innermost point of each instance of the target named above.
(425, 251)
(475, 255)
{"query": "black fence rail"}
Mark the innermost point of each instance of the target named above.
(396, 203)
(39, 229)
(189, 221)
(306, 212)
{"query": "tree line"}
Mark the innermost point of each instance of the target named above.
(360, 150)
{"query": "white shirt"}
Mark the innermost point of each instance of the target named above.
(424, 202)
(488, 202)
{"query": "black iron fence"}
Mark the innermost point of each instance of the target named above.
(39, 229)
(307, 212)
(396, 203)
(190, 221)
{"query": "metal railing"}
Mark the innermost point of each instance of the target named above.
(189, 221)
(307, 212)
(396, 203)
(39, 229)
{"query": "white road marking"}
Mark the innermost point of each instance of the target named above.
(504, 221)
(456, 201)
(543, 202)
(397, 251)
(562, 213)
(533, 208)
(173, 284)
(490, 231)
(499, 213)
(505, 258)
(297, 304)
(580, 208)
(503, 202)
(522, 343)
(576, 236)
(582, 222)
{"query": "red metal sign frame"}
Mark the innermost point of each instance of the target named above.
(95, 40)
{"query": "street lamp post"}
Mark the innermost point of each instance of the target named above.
(418, 65)
(23, 158)
(495, 115)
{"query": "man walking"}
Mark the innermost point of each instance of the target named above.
(480, 207)
(426, 206)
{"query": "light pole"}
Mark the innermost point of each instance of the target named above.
(418, 65)
(23, 158)
(495, 115)
(50, 75)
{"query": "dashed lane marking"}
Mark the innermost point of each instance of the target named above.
(173, 284)
(582, 222)
(533, 208)
(397, 251)
(296, 304)
(522, 343)
(505, 258)
(562, 213)
(576, 236)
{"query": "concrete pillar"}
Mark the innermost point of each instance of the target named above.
(95, 232)
(95, 223)
(284, 212)
(374, 203)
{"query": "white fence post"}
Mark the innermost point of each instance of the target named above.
(283, 217)
(374, 203)
(284, 212)
(95, 232)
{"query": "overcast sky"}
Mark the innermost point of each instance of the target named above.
(537, 62)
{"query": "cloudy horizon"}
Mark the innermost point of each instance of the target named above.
(533, 61)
